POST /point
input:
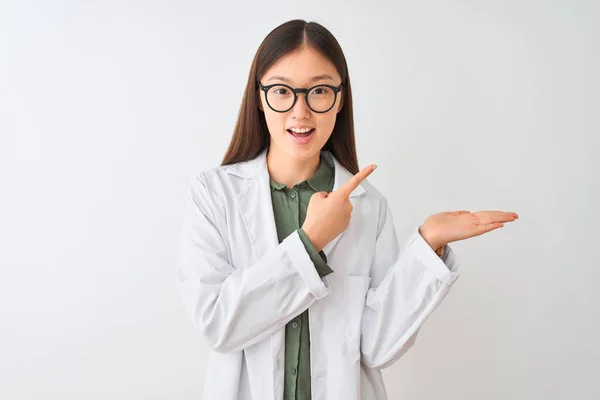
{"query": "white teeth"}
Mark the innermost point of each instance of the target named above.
(300, 130)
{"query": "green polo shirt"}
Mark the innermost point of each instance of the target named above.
(289, 208)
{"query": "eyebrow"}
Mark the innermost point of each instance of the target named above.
(313, 79)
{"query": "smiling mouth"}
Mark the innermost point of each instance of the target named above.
(300, 135)
(301, 138)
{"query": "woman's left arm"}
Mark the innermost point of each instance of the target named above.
(409, 282)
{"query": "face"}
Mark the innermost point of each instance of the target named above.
(302, 69)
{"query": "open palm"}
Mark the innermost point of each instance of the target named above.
(447, 227)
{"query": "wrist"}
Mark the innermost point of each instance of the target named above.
(312, 238)
(440, 251)
(430, 238)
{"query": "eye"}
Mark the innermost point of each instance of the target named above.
(321, 90)
(280, 91)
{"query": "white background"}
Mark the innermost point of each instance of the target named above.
(108, 108)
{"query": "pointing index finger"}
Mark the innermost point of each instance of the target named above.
(356, 180)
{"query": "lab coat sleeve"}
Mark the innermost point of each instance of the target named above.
(236, 308)
(407, 284)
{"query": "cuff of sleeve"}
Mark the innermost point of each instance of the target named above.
(318, 259)
(304, 265)
(446, 270)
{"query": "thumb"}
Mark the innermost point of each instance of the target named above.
(460, 212)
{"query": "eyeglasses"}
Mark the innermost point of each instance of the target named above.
(282, 98)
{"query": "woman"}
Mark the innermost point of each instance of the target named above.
(290, 265)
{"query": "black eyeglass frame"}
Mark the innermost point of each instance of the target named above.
(306, 91)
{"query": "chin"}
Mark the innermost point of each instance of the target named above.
(303, 153)
(299, 152)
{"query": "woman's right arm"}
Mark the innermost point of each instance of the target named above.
(236, 308)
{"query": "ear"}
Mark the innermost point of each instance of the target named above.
(259, 100)
(342, 94)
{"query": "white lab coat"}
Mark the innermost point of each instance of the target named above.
(240, 287)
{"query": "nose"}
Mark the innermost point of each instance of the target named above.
(300, 109)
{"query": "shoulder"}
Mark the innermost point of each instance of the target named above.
(223, 181)
(375, 204)
(372, 193)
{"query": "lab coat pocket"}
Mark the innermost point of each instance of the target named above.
(355, 292)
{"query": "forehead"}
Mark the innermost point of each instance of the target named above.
(301, 68)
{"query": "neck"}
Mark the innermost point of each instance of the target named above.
(288, 170)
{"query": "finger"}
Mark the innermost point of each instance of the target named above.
(498, 218)
(492, 227)
(320, 195)
(487, 228)
(490, 217)
(505, 217)
(496, 212)
(356, 180)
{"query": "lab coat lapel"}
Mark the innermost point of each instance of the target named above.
(256, 207)
(341, 176)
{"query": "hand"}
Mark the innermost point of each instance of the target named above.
(446, 227)
(328, 214)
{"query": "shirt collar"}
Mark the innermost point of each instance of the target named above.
(319, 182)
